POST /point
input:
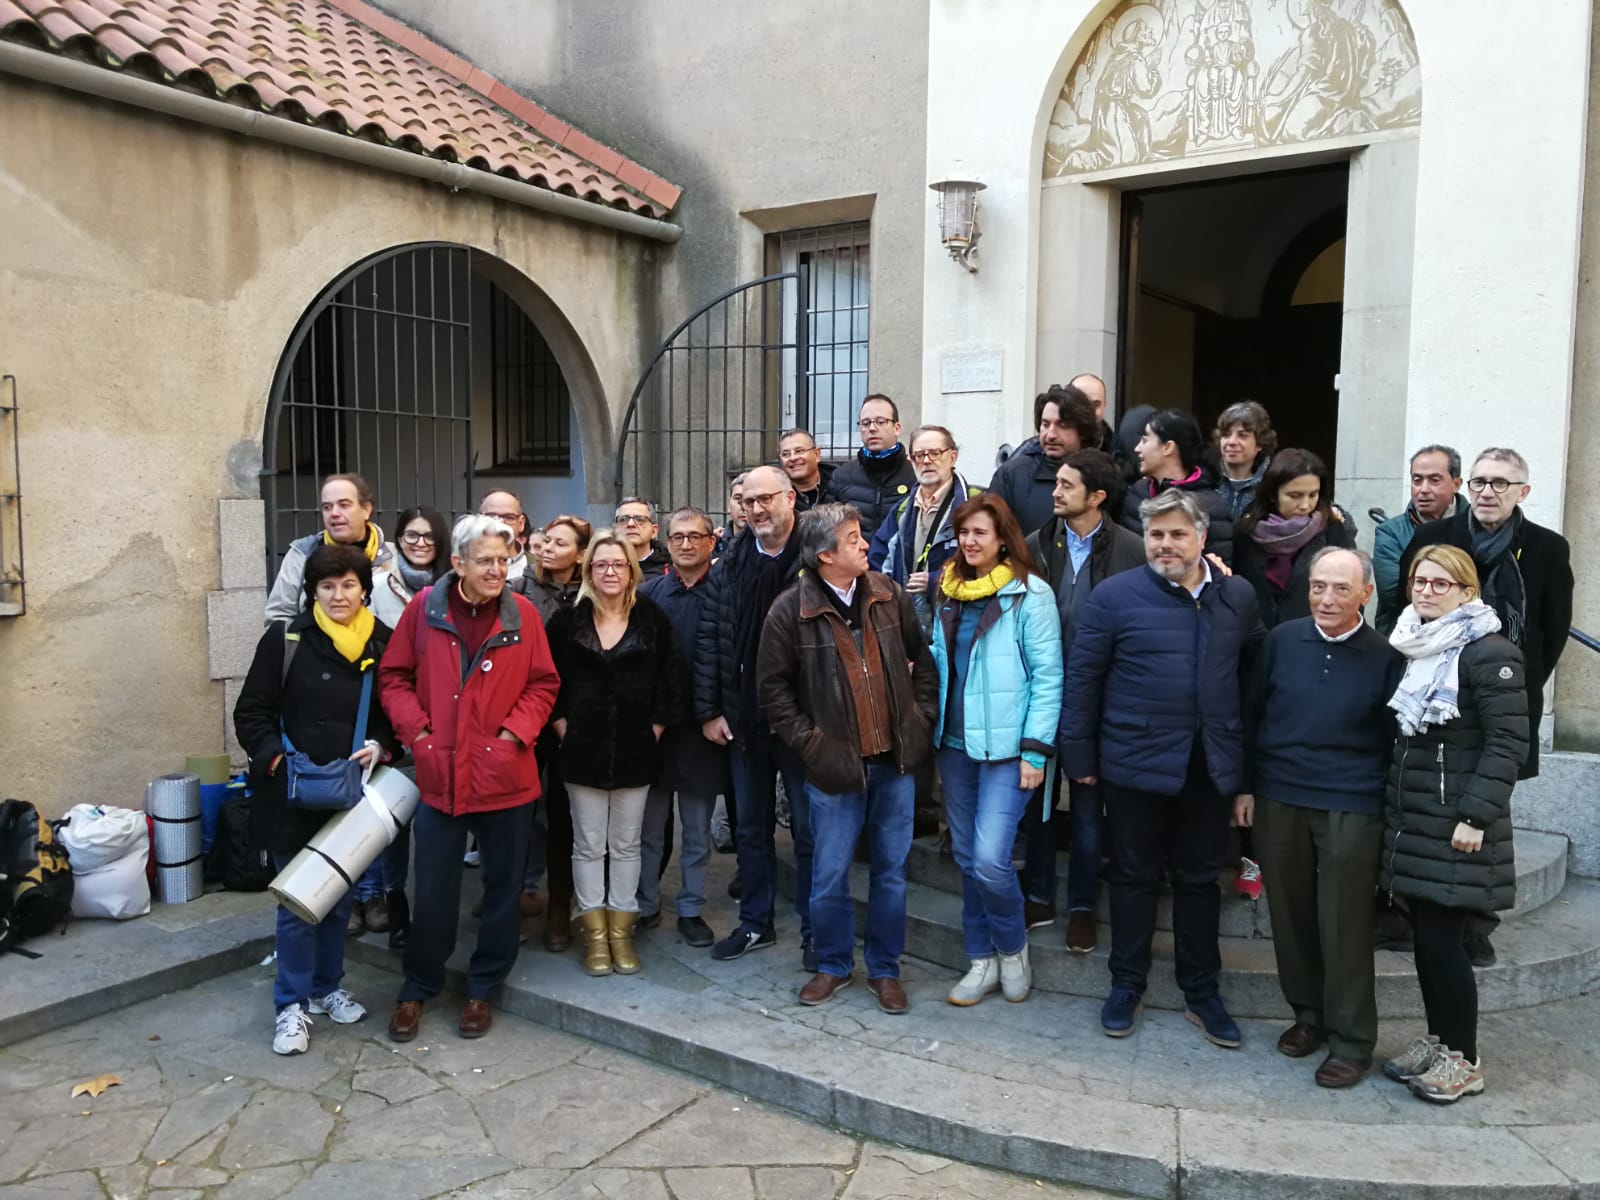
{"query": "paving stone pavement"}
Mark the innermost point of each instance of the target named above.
(206, 1111)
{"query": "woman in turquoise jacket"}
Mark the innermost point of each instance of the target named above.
(997, 643)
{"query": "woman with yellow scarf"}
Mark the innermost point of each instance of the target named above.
(304, 691)
(997, 644)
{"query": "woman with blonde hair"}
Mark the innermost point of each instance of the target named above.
(621, 686)
(1462, 708)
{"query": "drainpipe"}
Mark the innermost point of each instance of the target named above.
(107, 84)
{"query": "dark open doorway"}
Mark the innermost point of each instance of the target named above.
(1234, 290)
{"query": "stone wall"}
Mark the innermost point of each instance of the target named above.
(152, 274)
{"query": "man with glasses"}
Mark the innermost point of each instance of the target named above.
(1064, 423)
(744, 582)
(506, 506)
(1435, 495)
(802, 462)
(635, 523)
(880, 474)
(692, 767)
(916, 539)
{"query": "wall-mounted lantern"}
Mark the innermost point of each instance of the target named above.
(958, 218)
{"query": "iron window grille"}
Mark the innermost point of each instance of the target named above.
(838, 308)
(532, 409)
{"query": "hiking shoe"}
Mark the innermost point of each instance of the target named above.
(1448, 1078)
(1248, 882)
(339, 1006)
(808, 955)
(1416, 1059)
(1016, 976)
(1036, 915)
(982, 979)
(741, 941)
(695, 932)
(1212, 1017)
(1480, 951)
(292, 1034)
(1120, 1011)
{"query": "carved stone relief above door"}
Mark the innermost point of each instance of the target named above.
(1168, 79)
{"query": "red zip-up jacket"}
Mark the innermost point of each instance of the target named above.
(426, 681)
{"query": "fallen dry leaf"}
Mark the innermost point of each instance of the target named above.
(93, 1087)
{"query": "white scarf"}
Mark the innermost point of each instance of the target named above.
(1428, 692)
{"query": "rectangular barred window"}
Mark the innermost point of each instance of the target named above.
(532, 409)
(838, 262)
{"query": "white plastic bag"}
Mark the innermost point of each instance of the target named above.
(118, 890)
(96, 835)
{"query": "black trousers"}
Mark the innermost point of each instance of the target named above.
(440, 841)
(1444, 973)
(1187, 833)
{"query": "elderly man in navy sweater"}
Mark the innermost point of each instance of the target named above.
(1320, 734)
(1153, 682)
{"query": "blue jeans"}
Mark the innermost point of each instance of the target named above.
(757, 761)
(984, 803)
(371, 884)
(310, 957)
(886, 809)
(694, 855)
(1087, 816)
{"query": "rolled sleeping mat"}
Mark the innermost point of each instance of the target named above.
(212, 768)
(173, 804)
(318, 877)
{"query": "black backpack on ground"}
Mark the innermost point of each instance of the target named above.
(233, 860)
(35, 876)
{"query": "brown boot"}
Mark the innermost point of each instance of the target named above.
(596, 949)
(557, 925)
(620, 933)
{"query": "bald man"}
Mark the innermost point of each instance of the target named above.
(1094, 388)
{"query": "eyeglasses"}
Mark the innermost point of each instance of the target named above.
(875, 422)
(608, 567)
(1437, 587)
(1498, 486)
(416, 539)
(688, 539)
(485, 563)
(928, 456)
(763, 501)
(510, 519)
(633, 519)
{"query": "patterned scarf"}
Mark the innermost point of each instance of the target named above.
(1429, 690)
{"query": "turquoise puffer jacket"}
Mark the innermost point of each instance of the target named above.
(1013, 697)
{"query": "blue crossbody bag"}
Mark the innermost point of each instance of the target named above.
(324, 787)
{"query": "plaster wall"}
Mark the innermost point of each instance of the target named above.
(1489, 305)
(770, 116)
(150, 278)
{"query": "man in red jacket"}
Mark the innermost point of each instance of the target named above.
(468, 683)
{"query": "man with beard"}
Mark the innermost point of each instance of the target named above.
(1064, 423)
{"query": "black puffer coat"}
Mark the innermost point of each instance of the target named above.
(1461, 771)
(873, 485)
(611, 698)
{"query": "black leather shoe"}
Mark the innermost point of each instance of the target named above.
(695, 932)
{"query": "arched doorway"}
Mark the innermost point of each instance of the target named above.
(419, 371)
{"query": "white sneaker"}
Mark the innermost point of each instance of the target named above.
(292, 1035)
(471, 858)
(338, 1005)
(982, 979)
(1016, 976)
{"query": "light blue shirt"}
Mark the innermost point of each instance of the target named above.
(1079, 548)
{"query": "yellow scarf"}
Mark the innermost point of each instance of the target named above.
(374, 544)
(349, 640)
(956, 588)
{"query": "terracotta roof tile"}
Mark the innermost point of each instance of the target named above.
(345, 66)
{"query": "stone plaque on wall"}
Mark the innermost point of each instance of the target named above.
(970, 371)
(1169, 79)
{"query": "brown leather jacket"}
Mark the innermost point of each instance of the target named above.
(813, 681)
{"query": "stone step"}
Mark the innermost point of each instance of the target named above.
(1034, 1088)
(1552, 953)
(1541, 874)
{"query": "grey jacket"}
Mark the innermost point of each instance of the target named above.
(287, 599)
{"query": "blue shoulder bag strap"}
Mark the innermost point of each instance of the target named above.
(365, 709)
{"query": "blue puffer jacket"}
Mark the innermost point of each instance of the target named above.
(1151, 666)
(1013, 697)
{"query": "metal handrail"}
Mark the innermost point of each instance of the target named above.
(1584, 639)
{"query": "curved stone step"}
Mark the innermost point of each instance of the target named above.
(1541, 874)
(1552, 953)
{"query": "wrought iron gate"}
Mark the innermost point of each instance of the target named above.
(718, 393)
(376, 380)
